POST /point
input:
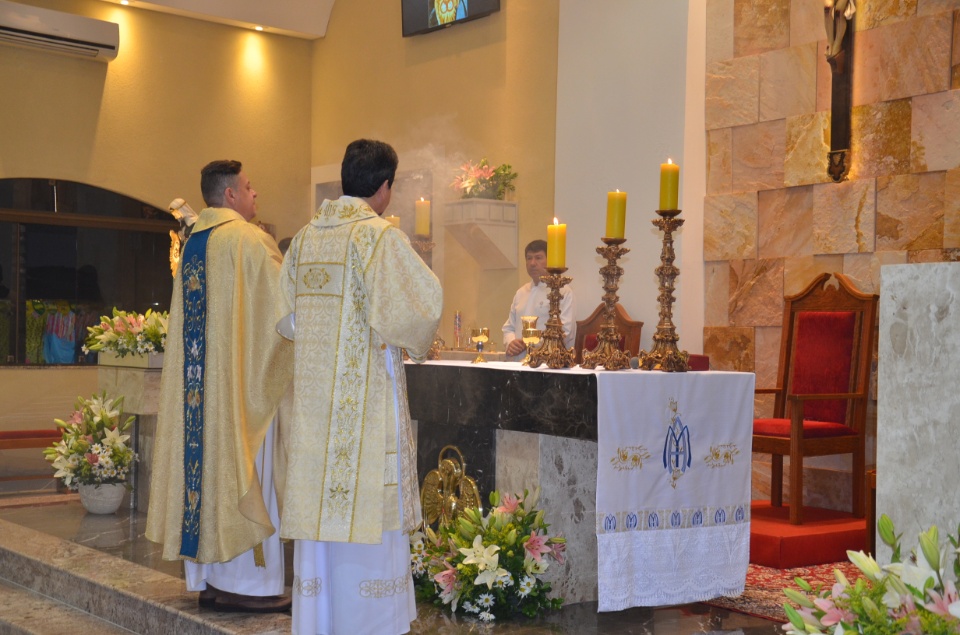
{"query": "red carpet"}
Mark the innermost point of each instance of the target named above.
(763, 595)
(824, 537)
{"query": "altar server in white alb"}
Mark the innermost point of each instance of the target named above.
(359, 293)
(531, 299)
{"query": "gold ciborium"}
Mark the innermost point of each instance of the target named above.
(531, 337)
(480, 337)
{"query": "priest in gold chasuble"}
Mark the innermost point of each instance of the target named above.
(212, 502)
(360, 294)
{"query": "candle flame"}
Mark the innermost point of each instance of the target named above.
(555, 221)
(421, 199)
(670, 161)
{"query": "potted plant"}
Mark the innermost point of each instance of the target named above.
(483, 181)
(93, 456)
(489, 565)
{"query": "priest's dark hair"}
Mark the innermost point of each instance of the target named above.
(215, 177)
(366, 165)
(535, 246)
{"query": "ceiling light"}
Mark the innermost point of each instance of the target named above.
(258, 28)
(124, 2)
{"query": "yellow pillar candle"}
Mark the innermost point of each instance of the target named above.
(556, 245)
(393, 220)
(616, 214)
(669, 185)
(422, 218)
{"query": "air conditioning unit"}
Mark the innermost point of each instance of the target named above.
(58, 32)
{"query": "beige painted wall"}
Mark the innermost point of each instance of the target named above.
(180, 93)
(486, 88)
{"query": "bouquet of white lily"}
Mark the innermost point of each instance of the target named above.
(912, 597)
(489, 565)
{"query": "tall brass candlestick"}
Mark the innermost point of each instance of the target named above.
(665, 354)
(552, 351)
(608, 353)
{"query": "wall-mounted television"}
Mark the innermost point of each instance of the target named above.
(423, 16)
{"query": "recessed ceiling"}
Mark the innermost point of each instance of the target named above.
(296, 18)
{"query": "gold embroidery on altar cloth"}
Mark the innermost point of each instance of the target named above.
(383, 588)
(309, 588)
(721, 455)
(630, 458)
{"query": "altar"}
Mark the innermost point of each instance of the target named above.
(647, 474)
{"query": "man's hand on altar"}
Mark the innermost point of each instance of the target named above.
(515, 347)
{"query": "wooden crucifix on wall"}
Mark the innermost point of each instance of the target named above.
(838, 19)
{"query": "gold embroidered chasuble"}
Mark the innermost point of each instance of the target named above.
(248, 366)
(360, 293)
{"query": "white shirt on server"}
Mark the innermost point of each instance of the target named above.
(532, 299)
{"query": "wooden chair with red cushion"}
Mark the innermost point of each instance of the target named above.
(588, 329)
(820, 406)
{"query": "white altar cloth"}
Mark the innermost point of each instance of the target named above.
(673, 486)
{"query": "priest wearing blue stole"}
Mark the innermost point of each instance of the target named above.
(212, 501)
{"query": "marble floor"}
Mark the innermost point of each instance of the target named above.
(121, 535)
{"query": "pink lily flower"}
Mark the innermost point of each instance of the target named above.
(833, 614)
(558, 551)
(536, 546)
(941, 603)
(446, 579)
(509, 504)
(92, 458)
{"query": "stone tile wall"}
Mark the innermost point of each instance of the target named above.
(773, 219)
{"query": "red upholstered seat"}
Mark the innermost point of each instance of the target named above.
(821, 395)
(811, 429)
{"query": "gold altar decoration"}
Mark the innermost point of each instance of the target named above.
(422, 244)
(608, 353)
(447, 490)
(438, 345)
(552, 351)
(479, 336)
(665, 354)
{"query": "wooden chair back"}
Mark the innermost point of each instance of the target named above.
(629, 330)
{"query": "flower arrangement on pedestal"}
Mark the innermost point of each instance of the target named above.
(128, 333)
(483, 181)
(912, 597)
(93, 449)
(489, 566)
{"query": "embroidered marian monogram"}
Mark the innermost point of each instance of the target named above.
(676, 447)
(194, 268)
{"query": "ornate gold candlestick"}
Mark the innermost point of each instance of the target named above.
(608, 353)
(422, 244)
(552, 351)
(480, 337)
(665, 354)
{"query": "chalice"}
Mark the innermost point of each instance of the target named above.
(479, 336)
(530, 337)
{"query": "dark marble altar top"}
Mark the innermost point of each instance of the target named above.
(505, 396)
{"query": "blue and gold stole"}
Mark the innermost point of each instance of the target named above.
(194, 279)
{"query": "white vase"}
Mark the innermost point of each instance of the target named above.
(102, 499)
